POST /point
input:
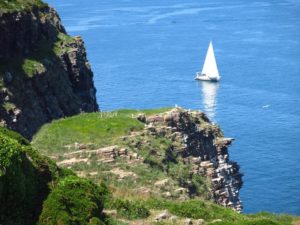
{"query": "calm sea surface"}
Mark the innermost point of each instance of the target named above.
(145, 54)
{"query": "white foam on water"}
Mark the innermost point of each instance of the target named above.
(188, 11)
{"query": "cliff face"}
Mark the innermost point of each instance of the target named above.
(203, 146)
(44, 73)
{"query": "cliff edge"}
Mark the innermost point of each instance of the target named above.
(166, 153)
(44, 73)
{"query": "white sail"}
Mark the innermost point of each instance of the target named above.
(210, 68)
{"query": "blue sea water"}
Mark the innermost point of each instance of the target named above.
(144, 54)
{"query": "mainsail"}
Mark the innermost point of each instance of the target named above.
(210, 68)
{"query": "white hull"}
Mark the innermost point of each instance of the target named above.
(203, 77)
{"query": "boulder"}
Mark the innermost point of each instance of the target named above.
(161, 183)
(162, 216)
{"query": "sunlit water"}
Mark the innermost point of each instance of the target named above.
(145, 54)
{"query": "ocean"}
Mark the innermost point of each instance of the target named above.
(145, 54)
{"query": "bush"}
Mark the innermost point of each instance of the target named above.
(130, 209)
(14, 135)
(19, 198)
(74, 201)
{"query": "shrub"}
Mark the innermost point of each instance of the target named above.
(130, 209)
(74, 201)
(14, 135)
(19, 196)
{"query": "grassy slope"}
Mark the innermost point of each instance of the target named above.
(99, 128)
(104, 129)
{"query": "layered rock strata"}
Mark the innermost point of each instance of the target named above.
(44, 73)
(203, 146)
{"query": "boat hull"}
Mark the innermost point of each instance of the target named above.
(206, 78)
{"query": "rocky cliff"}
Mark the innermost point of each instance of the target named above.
(176, 154)
(44, 73)
(205, 148)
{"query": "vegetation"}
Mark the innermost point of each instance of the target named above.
(17, 185)
(129, 209)
(32, 67)
(34, 190)
(14, 135)
(158, 163)
(197, 209)
(18, 5)
(24, 178)
(100, 129)
(36, 62)
(74, 201)
(62, 43)
(41, 60)
(68, 199)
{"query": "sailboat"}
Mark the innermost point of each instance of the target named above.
(210, 69)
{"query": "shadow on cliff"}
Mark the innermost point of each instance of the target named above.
(51, 82)
(45, 73)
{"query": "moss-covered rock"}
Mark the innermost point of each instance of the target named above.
(20, 5)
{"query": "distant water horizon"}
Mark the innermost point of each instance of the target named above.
(146, 54)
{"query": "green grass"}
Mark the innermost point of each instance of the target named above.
(8, 106)
(42, 60)
(101, 129)
(32, 67)
(62, 40)
(146, 175)
(37, 61)
(19, 5)
(26, 67)
(129, 209)
(193, 209)
(14, 135)
(150, 112)
(198, 209)
(104, 129)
